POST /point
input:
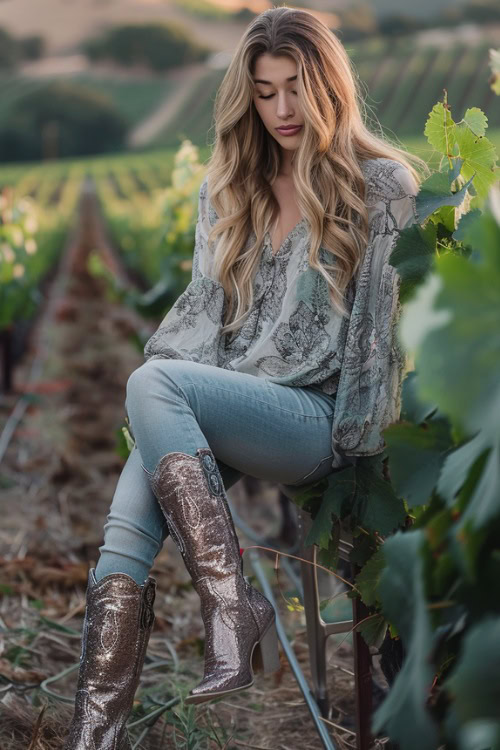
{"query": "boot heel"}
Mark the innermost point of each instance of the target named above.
(266, 653)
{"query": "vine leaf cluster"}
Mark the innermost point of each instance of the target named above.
(425, 513)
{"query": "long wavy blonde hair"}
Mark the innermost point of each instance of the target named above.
(329, 183)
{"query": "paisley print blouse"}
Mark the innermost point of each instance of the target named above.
(292, 335)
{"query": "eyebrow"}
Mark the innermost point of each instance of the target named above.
(259, 80)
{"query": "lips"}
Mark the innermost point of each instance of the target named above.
(289, 130)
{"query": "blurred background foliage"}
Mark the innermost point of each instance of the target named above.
(140, 76)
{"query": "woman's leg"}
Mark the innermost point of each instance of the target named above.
(136, 527)
(253, 426)
(183, 415)
(270, 431)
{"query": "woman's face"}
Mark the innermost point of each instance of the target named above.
(280, 106)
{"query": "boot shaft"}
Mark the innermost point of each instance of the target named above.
(192, 497)
(118, 621)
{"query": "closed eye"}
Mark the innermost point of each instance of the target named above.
(271, 95)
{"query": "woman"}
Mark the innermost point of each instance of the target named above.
(279, 360)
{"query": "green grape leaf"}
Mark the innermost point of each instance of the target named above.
(416, 455)
(476, 120)
(446, 216)
(435, 192)
(439, 129)
(413, 408)
(479, 157)
(404, 714)
(482, 233)
(373, 630)
(469, 336)
(329, 557)
(128, 438)
(340, 490)
(456, 467)
(443, 574)
(481, 734)
(474, 684)
(368, 578)
(360, 492)
(461, 233)
(376, 507)
(307, 495)
(413, 257)
(363, 548)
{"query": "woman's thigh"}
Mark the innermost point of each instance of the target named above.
(257, 427)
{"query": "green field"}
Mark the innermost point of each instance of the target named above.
(155, 165)
(195, 119)
(133, 98)
(406, 90)
(399, 82)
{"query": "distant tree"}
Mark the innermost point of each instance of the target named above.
(157, 46)
(10, 54)
(475, 11)
(61, 119)
(357, 21)
(244, 14)
(13, 51)
(397, 24)
(349, 33)
(32, 47)
(482, 11)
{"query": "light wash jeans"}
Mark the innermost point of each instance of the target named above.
(252, 425)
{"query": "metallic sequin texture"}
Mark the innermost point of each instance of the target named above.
(118, 620)
(235, 615)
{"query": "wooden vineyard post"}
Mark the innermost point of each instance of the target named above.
(362, 676)
(6, 358)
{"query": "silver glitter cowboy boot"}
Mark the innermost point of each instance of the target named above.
(238, 619)
(118, 621)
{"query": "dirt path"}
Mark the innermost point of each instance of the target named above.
(58, 478)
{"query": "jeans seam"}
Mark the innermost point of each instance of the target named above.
(147, 470)
(274, 406)
(322, 461)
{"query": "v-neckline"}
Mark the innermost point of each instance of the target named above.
(270, 241)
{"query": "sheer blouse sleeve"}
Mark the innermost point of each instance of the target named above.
(190, 330)
(205, 219)
(370, 383)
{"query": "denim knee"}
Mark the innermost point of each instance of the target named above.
(143, 381)
(160, 415)
(139, 383)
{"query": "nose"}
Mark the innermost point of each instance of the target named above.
(284, 106)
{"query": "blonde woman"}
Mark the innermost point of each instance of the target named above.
(279, 360)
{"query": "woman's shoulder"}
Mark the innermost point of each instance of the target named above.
(390, 193)
(387, 178)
